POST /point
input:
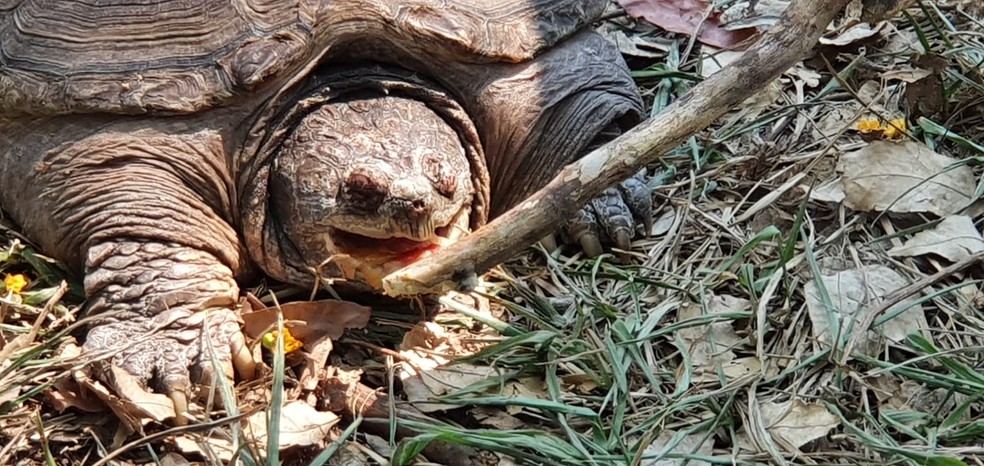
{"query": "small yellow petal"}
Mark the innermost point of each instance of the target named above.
(895, 129)
(867, 126)
(291, 344)
(15, 283)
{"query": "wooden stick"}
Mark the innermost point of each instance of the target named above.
(788, 42)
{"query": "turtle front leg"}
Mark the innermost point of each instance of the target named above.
(143, 206)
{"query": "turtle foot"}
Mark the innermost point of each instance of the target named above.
(165, 313)
(173, 355)
(612, 217)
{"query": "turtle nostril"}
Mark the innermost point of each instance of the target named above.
(418, 206)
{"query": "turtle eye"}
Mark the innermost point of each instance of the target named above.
(361, 188)
(441, 175)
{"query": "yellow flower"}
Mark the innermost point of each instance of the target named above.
(895, 129)
(15, 283)
(291, 344)
(868, 126)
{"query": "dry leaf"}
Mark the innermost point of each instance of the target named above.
(753, 14)
(526, 387)
(664, 223)
(582, 383)
(216, 447)
(714, 60)
(721, 332)
(853, 294)
(9, 392)
(797, 423)
(694, 444)
(430, 384)
(902, 43)
(810, 77)
(906, 73)
(300, 425)
(633, 43)
(904, 177)
(315, 357)
(128, 399)
(686, 17)
(710, 345)
(854, 33)
(830, 191)
(428, 335)
(327, 317)
(67, 392)
(496, 418)
(174, 459)
(423, 349)
(955, 238)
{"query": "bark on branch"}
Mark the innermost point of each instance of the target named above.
(788, 42)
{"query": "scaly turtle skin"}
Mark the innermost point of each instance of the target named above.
(169, 148)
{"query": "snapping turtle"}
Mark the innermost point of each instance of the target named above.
(169, 148)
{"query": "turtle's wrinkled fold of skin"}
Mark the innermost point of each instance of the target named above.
(172, 149)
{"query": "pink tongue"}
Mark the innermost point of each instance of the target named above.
(412, 256)
(402, 248)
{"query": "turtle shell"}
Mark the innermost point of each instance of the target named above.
(183, 56)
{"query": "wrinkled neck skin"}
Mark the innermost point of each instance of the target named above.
(357, 174)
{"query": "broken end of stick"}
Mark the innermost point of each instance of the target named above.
(425, 277)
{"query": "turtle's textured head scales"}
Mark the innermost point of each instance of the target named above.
(375, 176)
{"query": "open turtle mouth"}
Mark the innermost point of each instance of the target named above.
(361, 245)
(402, 250)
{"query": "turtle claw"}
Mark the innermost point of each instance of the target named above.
(243, 362)
(591, 244)
(585, 230)
(611, 218)
(180, 400)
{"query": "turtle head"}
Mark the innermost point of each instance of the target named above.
(367, 185)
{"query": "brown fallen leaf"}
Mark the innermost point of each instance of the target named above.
(300, 425)
(670, 442)
(797, 423)
(128, 400)
(427, 385)
(212, 446)
(955, 238)
(854, 294)
(496, 418)
(327, 317)
(68, 393)
(905, 177)
(687, 17)
(854, 33)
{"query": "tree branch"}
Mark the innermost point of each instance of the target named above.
(788, 42)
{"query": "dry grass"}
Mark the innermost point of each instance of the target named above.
(716, 342)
